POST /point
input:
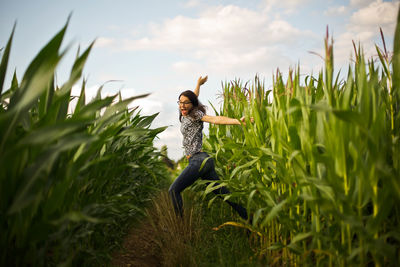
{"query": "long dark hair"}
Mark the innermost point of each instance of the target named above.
(195, 102)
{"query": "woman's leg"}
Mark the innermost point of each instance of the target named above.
(188, 176)
(210, 174)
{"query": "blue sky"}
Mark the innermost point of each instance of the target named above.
(162, 47)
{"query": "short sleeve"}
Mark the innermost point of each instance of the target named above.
(198, 115)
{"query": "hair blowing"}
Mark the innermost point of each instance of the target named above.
(195, 102)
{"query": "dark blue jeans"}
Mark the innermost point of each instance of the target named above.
(190, 174)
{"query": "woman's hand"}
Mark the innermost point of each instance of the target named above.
(243, 120)
(202, 80)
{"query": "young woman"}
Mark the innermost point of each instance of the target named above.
(192, 114)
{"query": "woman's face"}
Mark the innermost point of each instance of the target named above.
(185, 105)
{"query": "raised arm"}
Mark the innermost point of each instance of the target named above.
(200, 82)
(222, 120)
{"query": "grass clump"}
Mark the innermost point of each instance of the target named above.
(193, 240)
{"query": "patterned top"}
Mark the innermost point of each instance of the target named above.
(191, 129)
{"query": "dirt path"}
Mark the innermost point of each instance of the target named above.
(139, 248)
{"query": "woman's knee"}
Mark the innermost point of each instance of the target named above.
(172, 190)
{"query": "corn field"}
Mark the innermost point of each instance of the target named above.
(70, 183)
(319, 168)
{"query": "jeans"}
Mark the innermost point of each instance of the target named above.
(190, 174)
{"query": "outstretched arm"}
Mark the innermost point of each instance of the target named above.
(223, 120)
(200, 82)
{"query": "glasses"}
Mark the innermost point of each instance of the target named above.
(183, 103)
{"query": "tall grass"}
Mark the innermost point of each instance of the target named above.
(174, 236)
(320, 166)
(192, 240)
(70, 184)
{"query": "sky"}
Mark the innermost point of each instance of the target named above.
(162, 47)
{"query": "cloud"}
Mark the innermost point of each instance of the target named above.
(227, 27)
(376, 14)
(187, 66)
(171, 137)
(104, 42)
(192, 4)
(148, 105)
(336, 11)
(363, 28)
(362, 3)
(225, 39)
(288, 6)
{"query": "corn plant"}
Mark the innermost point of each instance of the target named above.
(319, 167)
(70, 183)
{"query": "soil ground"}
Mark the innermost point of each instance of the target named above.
(139, 248)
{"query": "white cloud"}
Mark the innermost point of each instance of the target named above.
(363, 28)
(225, 39)
(376, 14)
(288, 6)
(187, 67)
(172, 138)
(362, 3)
(192, 3)
(104, 42)
(148, 105)
(336, 11)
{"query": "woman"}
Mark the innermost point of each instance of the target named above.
(192, 115)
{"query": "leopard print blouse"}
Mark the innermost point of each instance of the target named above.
(191, 129)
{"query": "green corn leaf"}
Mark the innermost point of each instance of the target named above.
(246, 165)
(17, 113)
(63, 103)
(46, 99)
(79, 63)
(89, 110)
(147, 120)
(82, 98)
(350, 116)
(44, 163)
(10, 92)
(51, 133)
(4, 61)
(39, 72)
(348, 91)
(257, 215)
(396, 59)
(274, 212)
(77, 216)
(204, 163)
(120, 106)
(383, 61)
(37, 84)
(213, 186)
(276, 246)
(300, 237)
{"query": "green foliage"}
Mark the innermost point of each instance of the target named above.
(319, 167)
(70, 184)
